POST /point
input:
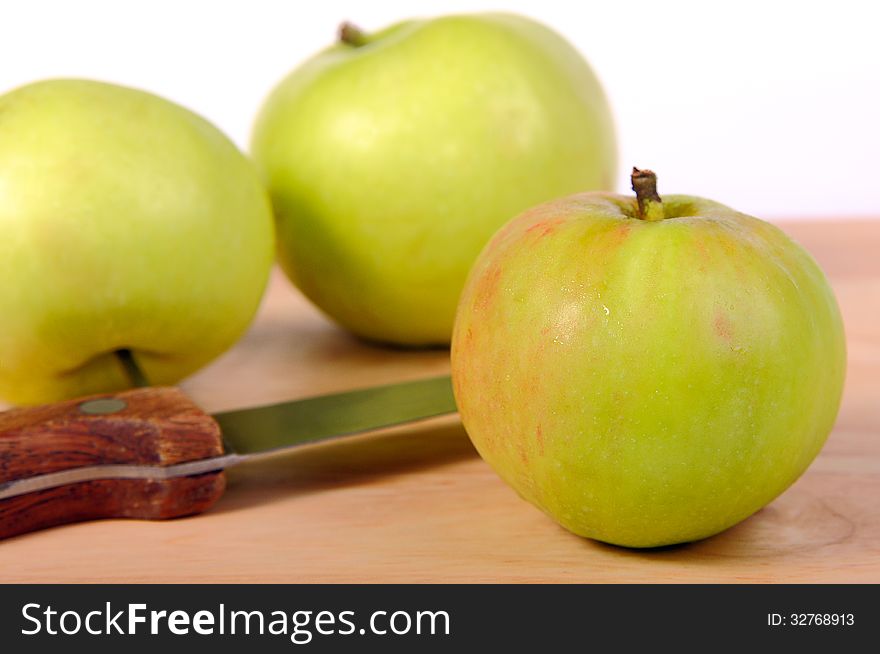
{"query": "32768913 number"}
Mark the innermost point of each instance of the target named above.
(821, 619)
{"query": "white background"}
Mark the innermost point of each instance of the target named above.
(770, 107)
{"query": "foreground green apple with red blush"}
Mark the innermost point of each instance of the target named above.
(393, 157)
(647, 372)
(126, 223)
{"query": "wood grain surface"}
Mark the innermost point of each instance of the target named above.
(416, 504)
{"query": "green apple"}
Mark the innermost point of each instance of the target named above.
(126, 223)
(393, 157)
(648, 371)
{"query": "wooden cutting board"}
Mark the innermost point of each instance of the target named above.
(416, 503)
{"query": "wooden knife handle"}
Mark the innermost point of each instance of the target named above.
(148, 426)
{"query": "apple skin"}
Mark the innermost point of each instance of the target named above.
(391, 164)
(647, 383)
(126, 221)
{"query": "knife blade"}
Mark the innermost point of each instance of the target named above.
(246, 434)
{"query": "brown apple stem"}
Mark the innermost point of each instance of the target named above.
(352, 35)
(644, 183)
(136, 376)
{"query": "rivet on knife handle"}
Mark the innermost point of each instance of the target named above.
(142, 427)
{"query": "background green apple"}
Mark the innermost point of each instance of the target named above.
(393, 157)
(126, 222)
(649, 375)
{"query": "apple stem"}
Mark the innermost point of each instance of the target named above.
(352, 35)
(136, 376)
(644, 183)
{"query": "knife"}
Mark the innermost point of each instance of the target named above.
(151, 453)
